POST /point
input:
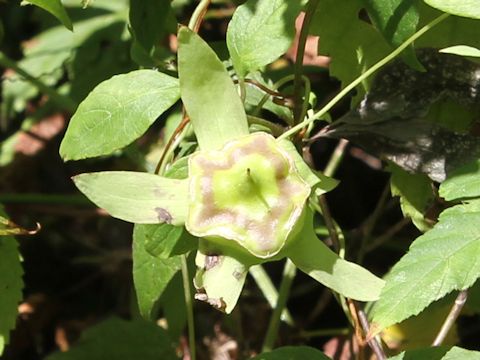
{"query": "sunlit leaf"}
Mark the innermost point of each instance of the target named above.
(260, 32)
(466, 8)
(55, 8)
(462, 50)
(462, 183)
(438, 353)
(117, 112)
(440, 261)
(315, 259)
(208, 93)
(137, 197)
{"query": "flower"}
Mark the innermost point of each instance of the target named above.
(249, 192)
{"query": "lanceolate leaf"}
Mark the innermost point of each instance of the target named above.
(462, 183)
(208, 93)
(121, 340)
(260, 32)
(314, 258)
(55, 8)
(466, 8)
(11, 285)
(462, 50)
(137, 197)
(444, 259)
(151, 274)
(117, 112)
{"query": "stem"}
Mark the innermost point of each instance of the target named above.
(298, 70)
(198, 15)
(451, 318)
(374, 343)
(324, 333)
(388, 234)
(364, 76)
(64, 102)
(289, 272)
(189, 305)
(265, 284)
(336, 158)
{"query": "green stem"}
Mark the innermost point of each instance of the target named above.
(298, 67)
(364, 76)
(289, 272)
(265, 284)
(64, 102)
(336, 158)
(198, 14)
(189, 305)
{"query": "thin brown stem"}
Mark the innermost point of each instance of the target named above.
(172, 139)
(451, 318)
(374, 344)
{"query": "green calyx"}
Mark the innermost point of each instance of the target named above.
(249, 192)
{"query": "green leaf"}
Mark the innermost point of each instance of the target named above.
(117, 112)
(462, 50)
(121, 340)
(440, 261)
(150, 21)
(55, 8)
(334, 21)
(416, 195)
(438, 353)
(11, 285)
(293, 353)
(466, 8)
(397, 20)
(315, 259)
(260, 32)
(151, 274)
(208, 93)
(165, 240)
(173, 305)
(137, 197)
(462, 183)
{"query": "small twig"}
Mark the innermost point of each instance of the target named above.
(374, 344)
(451, 318)
(387, 235)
